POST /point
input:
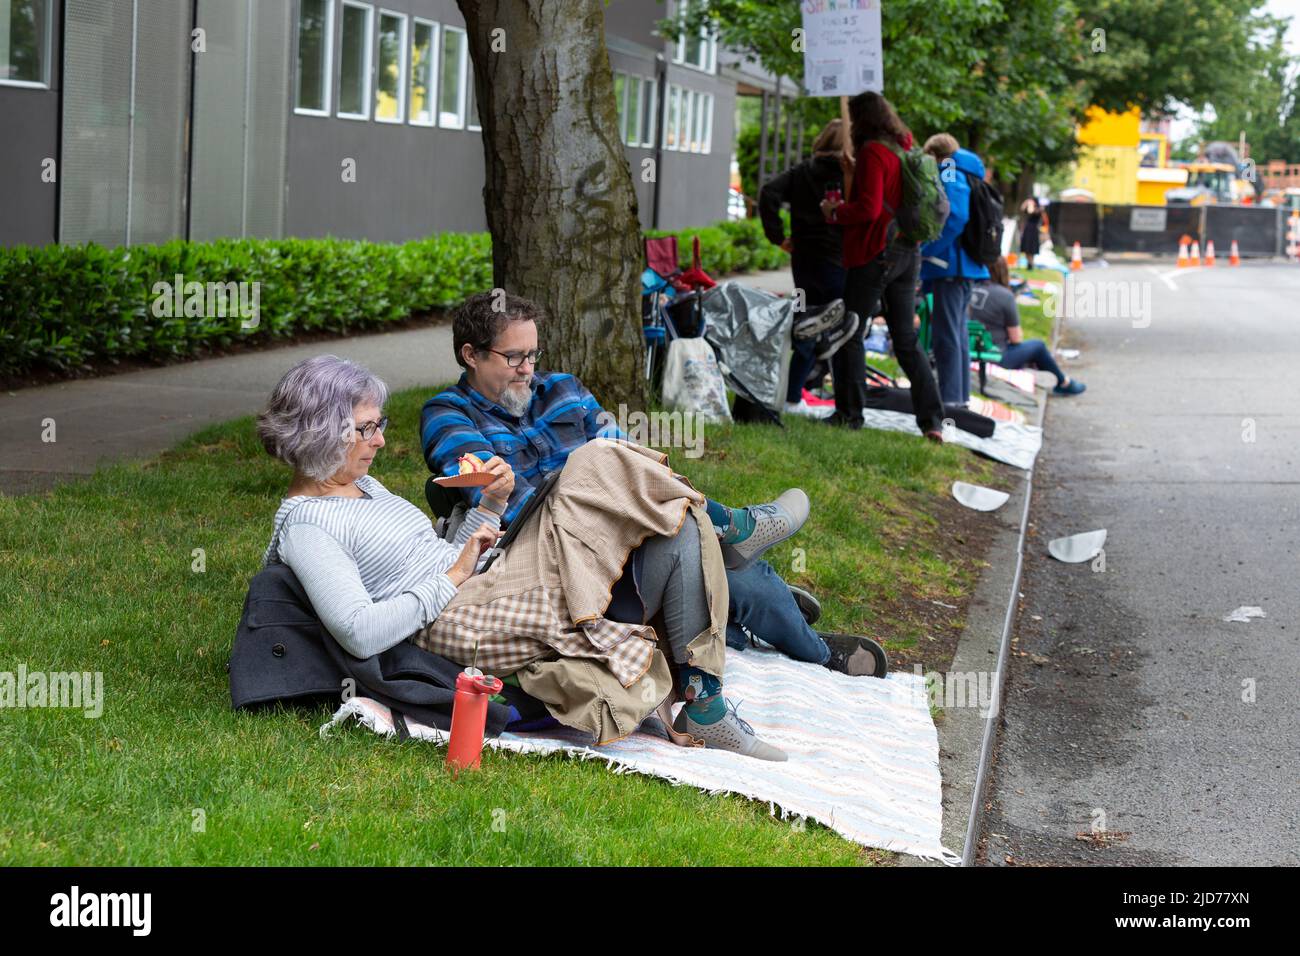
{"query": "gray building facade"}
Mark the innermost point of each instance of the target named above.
(130, 121)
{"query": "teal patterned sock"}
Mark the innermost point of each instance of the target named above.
(703, 693)
(742, 526)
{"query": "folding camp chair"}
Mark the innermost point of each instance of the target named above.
(689, 285)
(982, 349)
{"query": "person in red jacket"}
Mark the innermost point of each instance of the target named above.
(880, 265)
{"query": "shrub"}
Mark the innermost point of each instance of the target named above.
(64, 306)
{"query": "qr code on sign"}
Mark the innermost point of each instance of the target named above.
(868, 75)
(830, 83)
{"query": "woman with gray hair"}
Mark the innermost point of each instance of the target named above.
(377, 574)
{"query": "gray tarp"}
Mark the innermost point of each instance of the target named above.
(751, 328)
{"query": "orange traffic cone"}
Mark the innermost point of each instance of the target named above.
(1209, 252)
(1182, 254)
(1196, 253)
(1234, 259)
(1076, 258)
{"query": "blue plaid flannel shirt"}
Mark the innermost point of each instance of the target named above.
(563, 416)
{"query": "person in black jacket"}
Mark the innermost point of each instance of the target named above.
(815, 252)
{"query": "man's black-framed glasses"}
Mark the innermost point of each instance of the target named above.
(516, 359)
(367, 431)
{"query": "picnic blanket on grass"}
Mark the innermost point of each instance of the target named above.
(864, 753)
(1016, 445)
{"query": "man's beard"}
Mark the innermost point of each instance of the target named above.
(516, 399)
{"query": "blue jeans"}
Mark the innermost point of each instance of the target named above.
(1031, 352)
(950, 339)
(762, 603)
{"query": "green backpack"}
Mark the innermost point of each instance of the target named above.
(925, 201)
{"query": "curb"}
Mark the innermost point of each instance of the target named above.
(974, 814)
(991, 722)
(967, 738)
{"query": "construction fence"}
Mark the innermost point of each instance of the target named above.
(1259, 231)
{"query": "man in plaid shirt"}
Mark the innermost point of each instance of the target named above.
(533, 420)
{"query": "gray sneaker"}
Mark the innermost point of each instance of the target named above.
(773, 523)
(730, 733)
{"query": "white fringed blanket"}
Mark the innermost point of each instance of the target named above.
(864, 753)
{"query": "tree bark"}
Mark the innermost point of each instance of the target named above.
(558, 193)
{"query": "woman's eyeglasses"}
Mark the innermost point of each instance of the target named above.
(367, 431)
(516, 359)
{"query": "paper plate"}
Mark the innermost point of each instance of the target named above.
(478, 479)
(977, 497)
(1077, 548)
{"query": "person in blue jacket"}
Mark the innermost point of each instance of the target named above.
(951, 283)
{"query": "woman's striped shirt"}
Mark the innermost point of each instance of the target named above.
(373, 567)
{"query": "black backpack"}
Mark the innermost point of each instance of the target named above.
(981, 237)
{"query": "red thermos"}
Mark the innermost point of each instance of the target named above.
(468, 718)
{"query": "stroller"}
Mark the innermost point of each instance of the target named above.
(672, 307)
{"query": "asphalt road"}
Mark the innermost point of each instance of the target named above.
(1132, 708)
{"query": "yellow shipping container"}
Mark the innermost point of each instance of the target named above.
(1109, 173)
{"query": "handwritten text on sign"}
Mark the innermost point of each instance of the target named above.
(842, 54)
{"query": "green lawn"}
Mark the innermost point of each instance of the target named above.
(1032, 320)
(98, 576)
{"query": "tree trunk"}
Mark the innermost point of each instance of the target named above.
(558, 192)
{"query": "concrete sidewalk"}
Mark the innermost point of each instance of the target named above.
(139, 414)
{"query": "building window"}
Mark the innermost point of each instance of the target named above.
(473, 123)
(684, 121)
(674, 95)
(354, 78)
(315, 50)
(698, 50)
(451, 86)
(706, 123)
(390, 84)
(620, 100)
(689, 124)
(648, 117)
(424, 65)
(25, 42)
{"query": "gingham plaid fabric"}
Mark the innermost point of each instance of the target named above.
(545, 596)
(517, 629)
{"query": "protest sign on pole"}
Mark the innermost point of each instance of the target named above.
(842, 54)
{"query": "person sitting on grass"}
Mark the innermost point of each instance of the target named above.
(377, 574)
(994, 305)
(502, 406)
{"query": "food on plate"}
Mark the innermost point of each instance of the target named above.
(470, 464)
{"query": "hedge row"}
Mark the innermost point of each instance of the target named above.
(63, 306)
